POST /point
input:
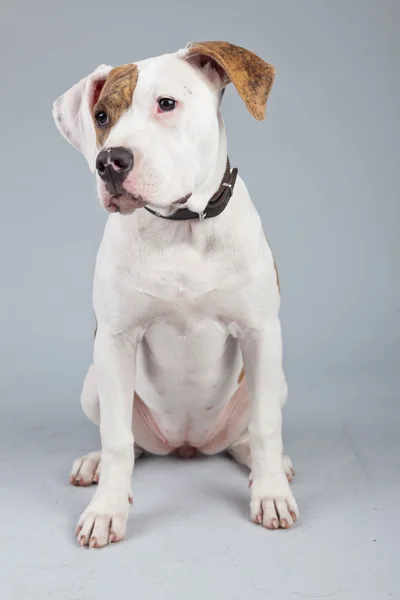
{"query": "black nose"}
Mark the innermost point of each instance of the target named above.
(113, 165)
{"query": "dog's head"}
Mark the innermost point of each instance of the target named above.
(151, 129)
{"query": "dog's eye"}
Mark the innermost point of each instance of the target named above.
(166, 104)
(102, 118)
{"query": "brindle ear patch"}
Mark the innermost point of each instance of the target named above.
(115, 98)
(252, 77)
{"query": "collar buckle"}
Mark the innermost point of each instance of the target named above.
(228, 185)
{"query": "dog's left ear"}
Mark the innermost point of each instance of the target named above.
(252, 77)
(72, 113)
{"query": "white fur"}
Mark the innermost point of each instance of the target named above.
(180, 305)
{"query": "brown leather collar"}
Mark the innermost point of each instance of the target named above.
(216, 204)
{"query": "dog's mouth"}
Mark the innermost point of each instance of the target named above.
(123, 202)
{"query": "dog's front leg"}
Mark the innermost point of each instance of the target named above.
(272, 502)
(104, 521)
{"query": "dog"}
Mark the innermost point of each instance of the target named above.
(188, 346)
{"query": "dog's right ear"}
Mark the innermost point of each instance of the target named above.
(72, 113)
(251, 76)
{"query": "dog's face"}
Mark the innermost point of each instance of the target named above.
(151, 129)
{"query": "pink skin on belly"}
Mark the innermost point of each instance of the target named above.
(230, 424)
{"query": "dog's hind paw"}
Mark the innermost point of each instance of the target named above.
(288, 467)
(86, 470)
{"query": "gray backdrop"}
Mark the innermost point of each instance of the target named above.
(323, 172)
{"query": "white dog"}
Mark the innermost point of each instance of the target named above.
(186, 293)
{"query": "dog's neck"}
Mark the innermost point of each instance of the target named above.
(208, 180)
(212, 178)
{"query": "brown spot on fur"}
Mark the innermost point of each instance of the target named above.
(115, 98)
(252, 77)
(241, 376)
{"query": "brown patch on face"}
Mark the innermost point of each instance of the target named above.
(115, 98)
(252, 77)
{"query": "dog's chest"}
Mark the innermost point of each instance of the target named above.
(182, 274)
(181, 283)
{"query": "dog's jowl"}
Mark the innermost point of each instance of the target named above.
(188, 348)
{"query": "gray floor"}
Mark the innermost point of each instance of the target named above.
(189, 535)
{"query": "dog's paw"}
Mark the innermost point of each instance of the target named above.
(288, 467)
(103, 522)
(86, 470)
(273, 504)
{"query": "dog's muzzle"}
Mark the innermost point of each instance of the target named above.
(113, 166)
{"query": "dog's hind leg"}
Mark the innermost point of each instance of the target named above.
(86, 470)
(240, 451)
